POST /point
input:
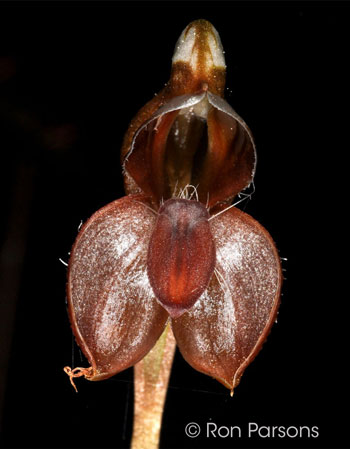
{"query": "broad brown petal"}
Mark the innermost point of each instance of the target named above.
(227, 326)
(181, 255)
(113, 312)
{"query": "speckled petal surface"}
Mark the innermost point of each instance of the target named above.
(228, 324)
(113, 312)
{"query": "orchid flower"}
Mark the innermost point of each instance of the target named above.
(174, 251)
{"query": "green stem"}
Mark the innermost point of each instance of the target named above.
(151, 377)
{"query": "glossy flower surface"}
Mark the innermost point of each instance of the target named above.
(117, 313)
(158, 256)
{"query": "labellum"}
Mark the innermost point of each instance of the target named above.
(181, 255)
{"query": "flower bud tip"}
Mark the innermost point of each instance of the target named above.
(200, 45)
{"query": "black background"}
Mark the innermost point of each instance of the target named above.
(71, 78)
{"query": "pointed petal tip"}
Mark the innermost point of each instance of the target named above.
(227, 327)
(200, 45)
(108, 292)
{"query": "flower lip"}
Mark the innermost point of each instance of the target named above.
(181, 255)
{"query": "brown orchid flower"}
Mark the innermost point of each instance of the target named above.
(173, 253)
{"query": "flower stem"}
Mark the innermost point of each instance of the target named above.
(151, 377)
